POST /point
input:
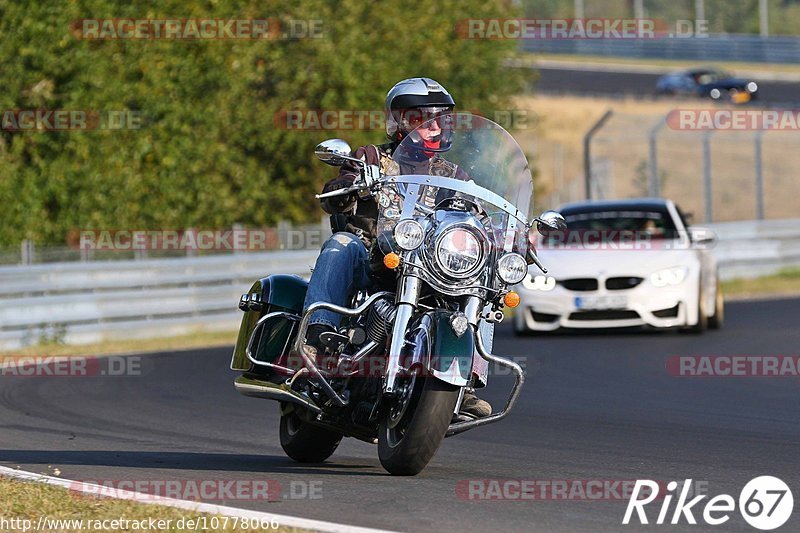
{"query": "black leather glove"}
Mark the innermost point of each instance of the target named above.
(338, 204)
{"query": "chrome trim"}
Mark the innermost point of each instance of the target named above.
(473, 309)
(407, 298)
(300, 346)
(467, 187)
(460, 427)
(248, 351)
(280, 393)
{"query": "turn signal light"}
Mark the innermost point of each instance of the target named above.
(391, 261)
(511, 299)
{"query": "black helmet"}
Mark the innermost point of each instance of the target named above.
(423, 94)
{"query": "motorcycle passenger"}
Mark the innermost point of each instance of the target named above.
(343, 266)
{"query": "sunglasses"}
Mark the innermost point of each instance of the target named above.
(419, 115)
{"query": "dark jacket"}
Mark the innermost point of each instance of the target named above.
(359, 215)
(353, 214)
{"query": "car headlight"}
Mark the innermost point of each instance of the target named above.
(539, 283)
(408, 234)
(458, 252)
(669, 276)
(512, 268)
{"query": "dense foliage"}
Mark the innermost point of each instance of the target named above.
(209, 151)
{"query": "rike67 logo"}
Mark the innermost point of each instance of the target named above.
(765, 503)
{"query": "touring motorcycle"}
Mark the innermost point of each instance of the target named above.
(454, 237)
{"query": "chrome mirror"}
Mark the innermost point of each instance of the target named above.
(550, 221)
(334, 152)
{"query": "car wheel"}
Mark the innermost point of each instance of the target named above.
(716, 320)
(702, 317)
(715, 94)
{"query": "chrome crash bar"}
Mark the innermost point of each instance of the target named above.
(460, 427)
(300, 345)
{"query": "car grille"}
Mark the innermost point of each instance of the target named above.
(579, 284)
(620, 284)
(605, 314)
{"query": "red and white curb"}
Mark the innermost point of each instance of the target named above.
(149, 499)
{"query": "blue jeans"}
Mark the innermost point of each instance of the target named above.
(342, 268)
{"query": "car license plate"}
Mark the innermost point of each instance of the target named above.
(610, 301)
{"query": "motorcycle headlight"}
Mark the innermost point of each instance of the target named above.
(669, 276)
(459, 252)
(512, 268)
(408, 234)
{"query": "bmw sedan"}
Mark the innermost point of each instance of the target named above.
(622, 263)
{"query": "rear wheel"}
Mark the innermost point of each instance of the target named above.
(415, 424)
(305, 442)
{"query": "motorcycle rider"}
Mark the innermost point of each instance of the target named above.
(343, 266)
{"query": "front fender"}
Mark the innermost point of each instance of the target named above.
(433, 346)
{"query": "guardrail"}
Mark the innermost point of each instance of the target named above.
(79, 303)
(730, 47)
(89, 302)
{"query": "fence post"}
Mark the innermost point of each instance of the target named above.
(654, 188)
(759, 176)
(27, 251)
(707, 192)
(587, 151)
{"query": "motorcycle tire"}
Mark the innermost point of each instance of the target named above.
(305, 442)
(406, 445)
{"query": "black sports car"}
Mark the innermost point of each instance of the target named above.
(709, 83)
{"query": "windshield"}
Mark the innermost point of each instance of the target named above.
(462, 156)
(615, 224)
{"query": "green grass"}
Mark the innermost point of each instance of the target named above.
(25, 500)
(200, 339)
(785, 282)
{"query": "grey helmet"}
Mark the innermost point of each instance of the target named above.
(409, 94)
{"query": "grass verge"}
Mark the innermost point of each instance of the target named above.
(733, 66)
(786, 282)
(23, 503)
(203, 339)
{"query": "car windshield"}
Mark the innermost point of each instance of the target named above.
(615, 224)
(465, 157)
(710, 76)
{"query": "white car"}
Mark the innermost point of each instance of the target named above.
(622, 263)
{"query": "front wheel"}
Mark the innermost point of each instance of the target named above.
(305, 442)
(716, 320)
(415, 424)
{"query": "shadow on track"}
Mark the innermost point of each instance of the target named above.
(259, 464)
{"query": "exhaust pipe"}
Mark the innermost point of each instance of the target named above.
(271, 391)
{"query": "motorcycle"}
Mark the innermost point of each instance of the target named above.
(453, 239)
